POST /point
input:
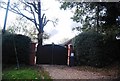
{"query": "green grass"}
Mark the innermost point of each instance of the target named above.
(45, 75)
(25, 73)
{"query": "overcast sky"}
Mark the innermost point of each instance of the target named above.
(62, 30)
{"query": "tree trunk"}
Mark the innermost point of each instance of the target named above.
(40, 34)
(98, 10)
(40, 38)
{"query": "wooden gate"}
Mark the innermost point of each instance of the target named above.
(51, 54)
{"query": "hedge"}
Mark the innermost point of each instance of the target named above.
(93, 49)
(12, 42)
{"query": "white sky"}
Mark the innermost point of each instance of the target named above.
(62, 30)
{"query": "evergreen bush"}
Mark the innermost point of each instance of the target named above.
(93, 49)
(15, 45)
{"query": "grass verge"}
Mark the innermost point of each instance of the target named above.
(25, 73)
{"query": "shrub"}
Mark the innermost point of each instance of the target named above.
(93, 49)
(12, 45)
(112, 48)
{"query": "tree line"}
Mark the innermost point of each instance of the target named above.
(100, 16)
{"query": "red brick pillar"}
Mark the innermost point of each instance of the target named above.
(32, 54)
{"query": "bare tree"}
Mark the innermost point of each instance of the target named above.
(31, 11)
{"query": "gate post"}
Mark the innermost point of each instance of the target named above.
(32, 54)
(68, 59)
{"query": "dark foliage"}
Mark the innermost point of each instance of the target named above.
(94, 49)
(12, 45)
(112, 48)
(92, 14)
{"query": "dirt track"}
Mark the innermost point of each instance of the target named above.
(65, 72)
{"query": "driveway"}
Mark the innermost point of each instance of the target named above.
(66, 72)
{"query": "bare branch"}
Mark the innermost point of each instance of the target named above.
(43, 17)
(35, 22)
(44, 24)
(32, 12)
(54, 23)
(21, 17)
(45, 21)
(26, 5)
(34, 6)
(16, 10)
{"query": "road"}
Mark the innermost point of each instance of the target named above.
(66, 72)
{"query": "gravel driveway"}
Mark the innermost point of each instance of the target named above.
(65, 72)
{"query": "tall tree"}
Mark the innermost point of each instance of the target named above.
(31, 11)
(93, 15)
